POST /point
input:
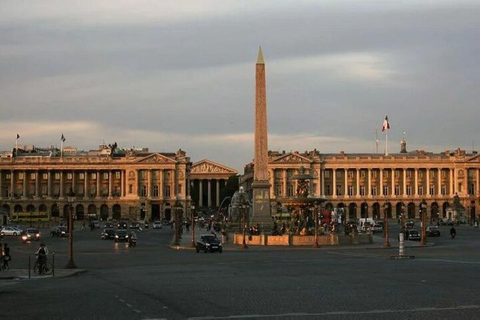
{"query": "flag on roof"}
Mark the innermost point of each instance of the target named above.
(386, 124)
(63, 138)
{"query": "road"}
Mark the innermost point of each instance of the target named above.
(152, 281)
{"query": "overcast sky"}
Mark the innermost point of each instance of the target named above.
(181, 74)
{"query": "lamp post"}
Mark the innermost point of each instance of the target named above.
(70, 200)
(243, 207)
(316, 245)
(192, 211)
(385, 215)
(423, 210)
(176, 238)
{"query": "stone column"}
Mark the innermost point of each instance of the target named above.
(381, 182)
(415, 188)
(1, 184)
(24, 185)
(439, 181)
(452, 183)
(149, 183)
(369, 178)
(358, 182)
(345, 179)
(49, 184)
(74, 187)
(122, 183)
(477, 182)
(37, 184)
(161, 193)
(428, 182)
(85, 185)
(200, 192)
(110, 183)
(61, 184)
(284, 182)
(218, 193)
(209, 192)
(12, 183)
(97, 195)
(404, 182)
(334, 181)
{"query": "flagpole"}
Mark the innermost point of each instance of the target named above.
(16, 147)
(386, 142)
(376, 138)
(61, 148)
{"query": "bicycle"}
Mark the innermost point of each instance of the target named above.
(47, 268)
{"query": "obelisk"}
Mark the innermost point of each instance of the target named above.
(261, 184)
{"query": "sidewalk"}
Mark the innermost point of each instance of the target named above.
(23, 274)
(378, 242)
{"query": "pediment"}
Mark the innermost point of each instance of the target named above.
(207, 166)
(156, 158)
(292, 158)
(475, 157)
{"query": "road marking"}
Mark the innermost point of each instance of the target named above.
(129, 305)
(450, 261)
(336, 313)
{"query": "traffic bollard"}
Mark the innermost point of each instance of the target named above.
(400, 245)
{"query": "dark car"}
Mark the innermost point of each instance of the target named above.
(121, 235)
(209, 243)
(433, 231)
(122, 225)
(412, 234)
(409, 224)
(108, 233)
(59, 231)
(108, 225)
(31, 234)
(135, 225)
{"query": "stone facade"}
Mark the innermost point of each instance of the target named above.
(370, 185)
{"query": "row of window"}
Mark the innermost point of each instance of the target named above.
(375, 173)
(81, 175)
(374, 190)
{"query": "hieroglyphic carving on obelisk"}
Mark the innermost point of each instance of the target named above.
(261, 184)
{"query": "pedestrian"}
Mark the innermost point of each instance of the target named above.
(41, 254)
(6, 256)
(83, 226)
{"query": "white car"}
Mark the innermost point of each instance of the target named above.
(157, 225)
(10, 231)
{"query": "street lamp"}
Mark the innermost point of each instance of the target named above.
(192, 211)
(243, 206)
(423, 210)
(385, 215)
(70, 200)
(178, 210)
(316, 245)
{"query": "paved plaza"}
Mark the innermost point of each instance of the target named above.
(154, 281)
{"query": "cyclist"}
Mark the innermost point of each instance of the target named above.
(41, 254)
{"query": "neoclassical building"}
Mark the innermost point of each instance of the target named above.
(368, 185)
(135, 184)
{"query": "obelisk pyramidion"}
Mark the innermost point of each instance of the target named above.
(261, 184)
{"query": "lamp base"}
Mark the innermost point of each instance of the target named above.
(70, 265)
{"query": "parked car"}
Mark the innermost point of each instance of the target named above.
(433, 231)
(108, 233)
(10, 231)
(121, 235)
(157, 225)
(209, 243)
(412, 234)
(409, 224)
(31, 234)
(122, 225)
(96, 224)
(377, 226)
(60, 231)
(135, 225)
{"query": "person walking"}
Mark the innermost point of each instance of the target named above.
(6, 256)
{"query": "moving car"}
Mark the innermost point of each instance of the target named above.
(121, 235)
(409, 224)
(157, 225)
(433, 231)
(10, 231)
(108, 233)
(135, 225)
(209, 243)
(31, 234)
(122, 225)
(377, 226)
(412, 234)
(60, 231)
(108, 225)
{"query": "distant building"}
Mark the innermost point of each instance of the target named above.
(123, 184)
(368, 185)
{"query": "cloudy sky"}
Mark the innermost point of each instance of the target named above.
(181, 74)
